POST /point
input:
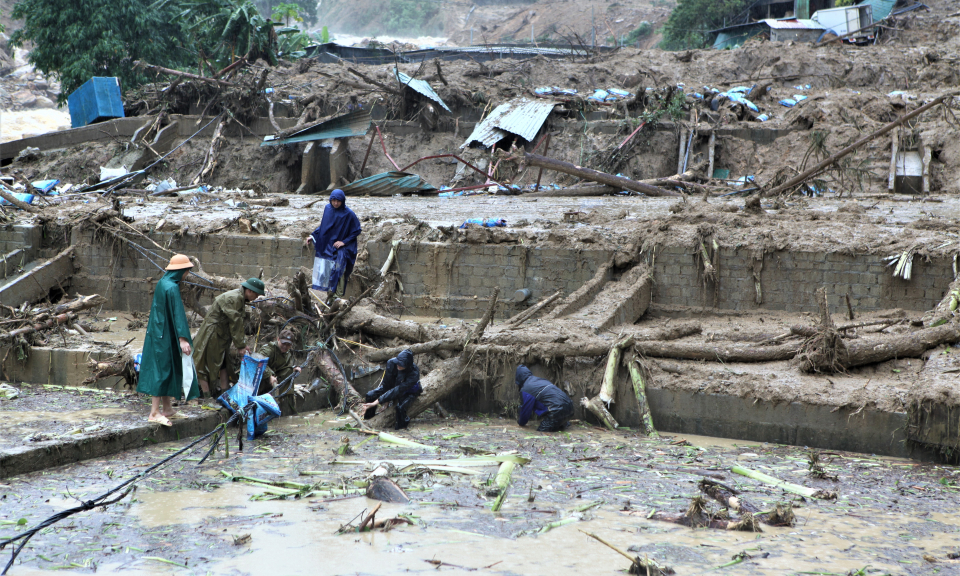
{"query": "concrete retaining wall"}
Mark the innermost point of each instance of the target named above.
(455, 279)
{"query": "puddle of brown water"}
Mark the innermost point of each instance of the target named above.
(302, 541)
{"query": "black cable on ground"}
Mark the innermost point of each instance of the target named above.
(102, 499)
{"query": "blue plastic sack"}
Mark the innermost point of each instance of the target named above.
(799, 97)
(749, 104)
(599, 95)
(28, 198)
(251, 371)
(136, 362)
(741, 89)
(44, 186)
(486, 222)
(788, 102)
(762, 118)
(260, 410)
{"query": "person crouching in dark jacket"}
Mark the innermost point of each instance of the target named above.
(540, 397)
(400, 384)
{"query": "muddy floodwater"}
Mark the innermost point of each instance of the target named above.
(890, 516)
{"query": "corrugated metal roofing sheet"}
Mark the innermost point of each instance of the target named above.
(388, 184)
(420, 86)
(520, 116)
(354, 123)
(881, 8)
(798, 23)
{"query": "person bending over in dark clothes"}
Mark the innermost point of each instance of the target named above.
(400, 384)
(540, 397)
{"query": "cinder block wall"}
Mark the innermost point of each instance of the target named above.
(13, 237)
(442, 279)
(789, 281)
(126, 277)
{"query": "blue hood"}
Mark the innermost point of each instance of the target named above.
(522, 374)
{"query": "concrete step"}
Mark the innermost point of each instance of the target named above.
(21, 456)
(620, 302)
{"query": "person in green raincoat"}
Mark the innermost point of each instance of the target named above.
(166, 345)
(223, 326)
(280, 362)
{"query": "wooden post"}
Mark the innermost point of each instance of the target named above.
(926, 170)
(680, 154)
(713, 143)
(894, 148)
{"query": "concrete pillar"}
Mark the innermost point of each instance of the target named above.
(339, 163)
(308, 170)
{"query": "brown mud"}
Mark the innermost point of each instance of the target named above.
(891, 515)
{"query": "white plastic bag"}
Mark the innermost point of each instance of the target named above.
(188, 371)
(110, 173)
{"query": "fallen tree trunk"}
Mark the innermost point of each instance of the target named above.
(364, 318)
(61, 314)
(171, 72)
(537, 342)
(56, 320)
(862, 352)
(442, 380)
(595, 176)
(18, 202)
(522, 317)
(328, 369)
(947, 307)
(608, 386)
(731, 353)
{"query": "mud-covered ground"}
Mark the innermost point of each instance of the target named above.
(890, 516)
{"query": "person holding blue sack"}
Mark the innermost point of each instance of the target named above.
(335, 245)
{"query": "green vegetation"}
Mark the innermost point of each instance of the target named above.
(691, 21)
(842, 3)
(76, 41)
(286, 12)
(641, 31)
(306, 9)
(408, 16)
(324, 35)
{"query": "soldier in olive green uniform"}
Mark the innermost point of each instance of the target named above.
(223, 326)
(280, 364)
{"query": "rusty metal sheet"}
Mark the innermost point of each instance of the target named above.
(419, 86)
(354, 123)
(388, 184)
(521, 116)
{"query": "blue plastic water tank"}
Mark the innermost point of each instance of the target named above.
(97, 100)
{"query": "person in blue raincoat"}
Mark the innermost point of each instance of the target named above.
(167, 346)
(400, 384)
(335, 245)
(540, 397)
